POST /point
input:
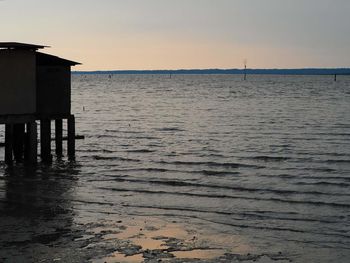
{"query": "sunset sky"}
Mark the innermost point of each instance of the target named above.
(172, 34)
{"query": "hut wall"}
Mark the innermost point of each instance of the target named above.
(17, 82)
(53, 90)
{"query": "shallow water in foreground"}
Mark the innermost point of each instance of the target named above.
(192, 167)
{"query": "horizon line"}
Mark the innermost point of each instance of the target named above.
(306, 71)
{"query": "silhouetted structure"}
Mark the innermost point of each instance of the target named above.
(34, 86)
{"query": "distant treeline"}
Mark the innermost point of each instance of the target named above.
(306, 71)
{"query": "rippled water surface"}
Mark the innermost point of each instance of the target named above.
(267, 159)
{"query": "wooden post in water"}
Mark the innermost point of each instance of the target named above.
(71, 137)
(18, 141)
(335, 77)
(59, 137)
(31, 146)
(8, 144)
(45, 140)
(245, 69)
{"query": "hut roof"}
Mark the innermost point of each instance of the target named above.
(48, 60)
(16, 45)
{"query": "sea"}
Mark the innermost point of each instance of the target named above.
(265, 161)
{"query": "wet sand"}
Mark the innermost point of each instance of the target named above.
(129, 240)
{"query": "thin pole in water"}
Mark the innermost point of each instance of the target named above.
(245, 69)
(335, 77)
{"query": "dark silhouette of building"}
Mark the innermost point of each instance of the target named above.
(34, 87)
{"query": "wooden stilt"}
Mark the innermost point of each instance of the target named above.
(8, 144)
(45, 140)
(71, 137)
(26, 143)
(58, 136)
(21, 140)
(31, 149)
(18, 143)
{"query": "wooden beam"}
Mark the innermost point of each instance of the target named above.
(18, 141)
(71, 137)
(45, 140)
(31, 149)
(8, 144)
(59, 137)
(12, 119)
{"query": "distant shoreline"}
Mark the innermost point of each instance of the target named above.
(306, 71)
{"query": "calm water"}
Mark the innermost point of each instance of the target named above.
(267, 159)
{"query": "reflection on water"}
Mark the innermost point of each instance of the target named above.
(36, 209)
(121, 258)
(199, 254)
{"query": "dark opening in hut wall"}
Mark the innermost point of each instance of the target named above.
(35, 89)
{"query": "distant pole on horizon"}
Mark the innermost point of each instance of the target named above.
(245, 69)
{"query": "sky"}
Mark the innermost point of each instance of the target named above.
(174, 34)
